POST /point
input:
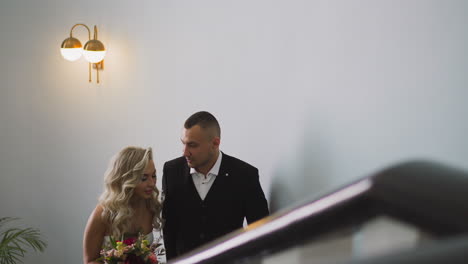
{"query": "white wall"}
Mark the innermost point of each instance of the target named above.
(314, 93)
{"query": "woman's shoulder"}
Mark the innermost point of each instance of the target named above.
(97, 213)
(96, 226)
(97, 217)
(99, 208)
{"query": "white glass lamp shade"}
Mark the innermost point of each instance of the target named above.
(94, 51)
(71, 54)
(94, 56)
(71, 49)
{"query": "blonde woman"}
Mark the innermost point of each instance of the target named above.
(129, 204)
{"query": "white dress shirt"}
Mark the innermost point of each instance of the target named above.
(203, 183)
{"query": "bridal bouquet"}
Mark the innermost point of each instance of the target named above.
(129, 251)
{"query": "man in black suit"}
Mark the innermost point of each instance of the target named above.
(207, 193)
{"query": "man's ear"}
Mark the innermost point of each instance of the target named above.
(216, 141)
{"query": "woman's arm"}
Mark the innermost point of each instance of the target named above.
(93, 236)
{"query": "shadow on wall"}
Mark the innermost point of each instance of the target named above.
(304, 174)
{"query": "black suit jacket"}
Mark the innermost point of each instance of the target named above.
(190, 221)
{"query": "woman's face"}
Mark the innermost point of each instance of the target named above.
(145, 188)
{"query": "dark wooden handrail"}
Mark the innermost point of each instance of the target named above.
(429, 195)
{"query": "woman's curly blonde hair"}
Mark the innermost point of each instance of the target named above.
(123, 175)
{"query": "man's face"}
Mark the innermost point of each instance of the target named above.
(200, 147)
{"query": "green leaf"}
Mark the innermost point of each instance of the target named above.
(14, 241)
(113, 243)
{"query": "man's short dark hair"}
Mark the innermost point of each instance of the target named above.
(204, 120)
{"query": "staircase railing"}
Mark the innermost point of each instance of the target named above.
(429, 195)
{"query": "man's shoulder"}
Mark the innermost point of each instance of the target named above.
(237, 163)
(175, 163)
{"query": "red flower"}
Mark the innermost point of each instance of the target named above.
(152, 258)
(130, 241)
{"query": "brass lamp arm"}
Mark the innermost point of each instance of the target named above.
(89, 31)
(95, 32)
(89, 38)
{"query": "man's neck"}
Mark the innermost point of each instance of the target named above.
(209, 166)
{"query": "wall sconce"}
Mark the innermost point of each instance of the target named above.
(93, 50)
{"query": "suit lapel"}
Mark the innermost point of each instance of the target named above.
(188, 182)
(220, 180)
